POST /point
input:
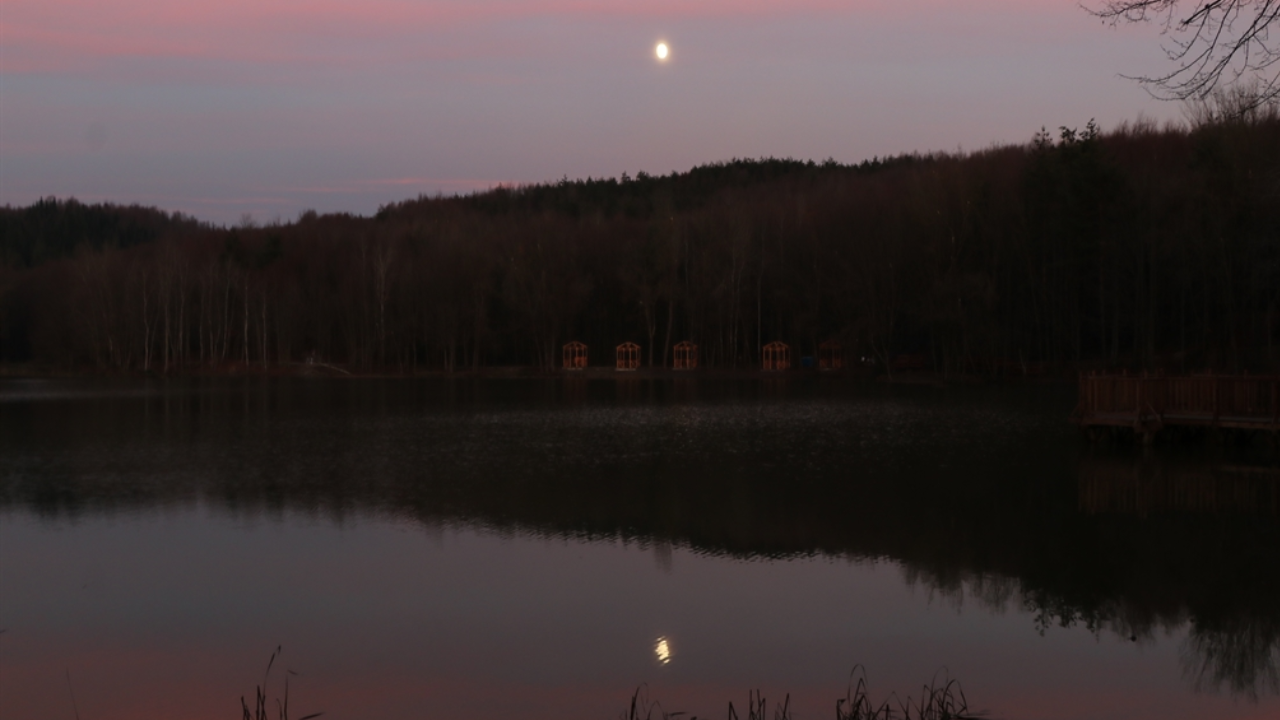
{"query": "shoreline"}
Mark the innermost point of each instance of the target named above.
(326, 370)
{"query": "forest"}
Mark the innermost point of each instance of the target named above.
(1146, 247)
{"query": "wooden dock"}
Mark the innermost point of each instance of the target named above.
(1149, 403)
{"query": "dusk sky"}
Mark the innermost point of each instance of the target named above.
(270, 107)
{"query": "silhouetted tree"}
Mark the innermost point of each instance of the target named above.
(1212, 41)
(1142, 248)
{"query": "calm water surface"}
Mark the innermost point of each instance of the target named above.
(541, 548)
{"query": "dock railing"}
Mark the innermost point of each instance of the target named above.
(1239, 401)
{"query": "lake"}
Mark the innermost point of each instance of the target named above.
(543, 547)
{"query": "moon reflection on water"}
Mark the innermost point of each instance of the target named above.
(662, 650)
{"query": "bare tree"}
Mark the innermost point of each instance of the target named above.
(1235, 104)
(1211, 42)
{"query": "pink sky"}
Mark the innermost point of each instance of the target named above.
(273, 106)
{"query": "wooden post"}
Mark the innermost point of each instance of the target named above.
(1139, 382)
(1213, 381)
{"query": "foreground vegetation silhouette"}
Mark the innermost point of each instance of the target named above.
(943, 700)
(260, 710)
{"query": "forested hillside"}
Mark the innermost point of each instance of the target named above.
(53, 228)
(1144, 248)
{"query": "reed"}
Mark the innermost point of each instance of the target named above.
(757, 707)
(939, 700)
(259, 711)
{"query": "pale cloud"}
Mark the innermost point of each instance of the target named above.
(53, 35)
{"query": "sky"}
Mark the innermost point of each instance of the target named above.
(266, 108)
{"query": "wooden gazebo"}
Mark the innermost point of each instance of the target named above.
(777, 356)
(575, 356)
(628, 356)
(686, 356)
(830, 356)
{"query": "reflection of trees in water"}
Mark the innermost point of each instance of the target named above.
(1229, 648)
(1139, 546)
(1150, 484)
(1049, 609)
(1213, 576)
(1238, 655)
(996, 593)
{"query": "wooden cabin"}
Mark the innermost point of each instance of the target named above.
(628, 356)
(777, 356)
(830, 356)
(686, 356)
(575, 356)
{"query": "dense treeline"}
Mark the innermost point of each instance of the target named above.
(1142, 248)
(51, 229)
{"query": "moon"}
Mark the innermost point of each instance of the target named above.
(661, 51)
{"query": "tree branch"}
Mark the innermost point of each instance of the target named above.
(1218, 42)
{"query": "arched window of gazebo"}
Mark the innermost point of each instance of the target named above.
(575, 356)
(777, 356)
(686, 356)
(628, 356)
